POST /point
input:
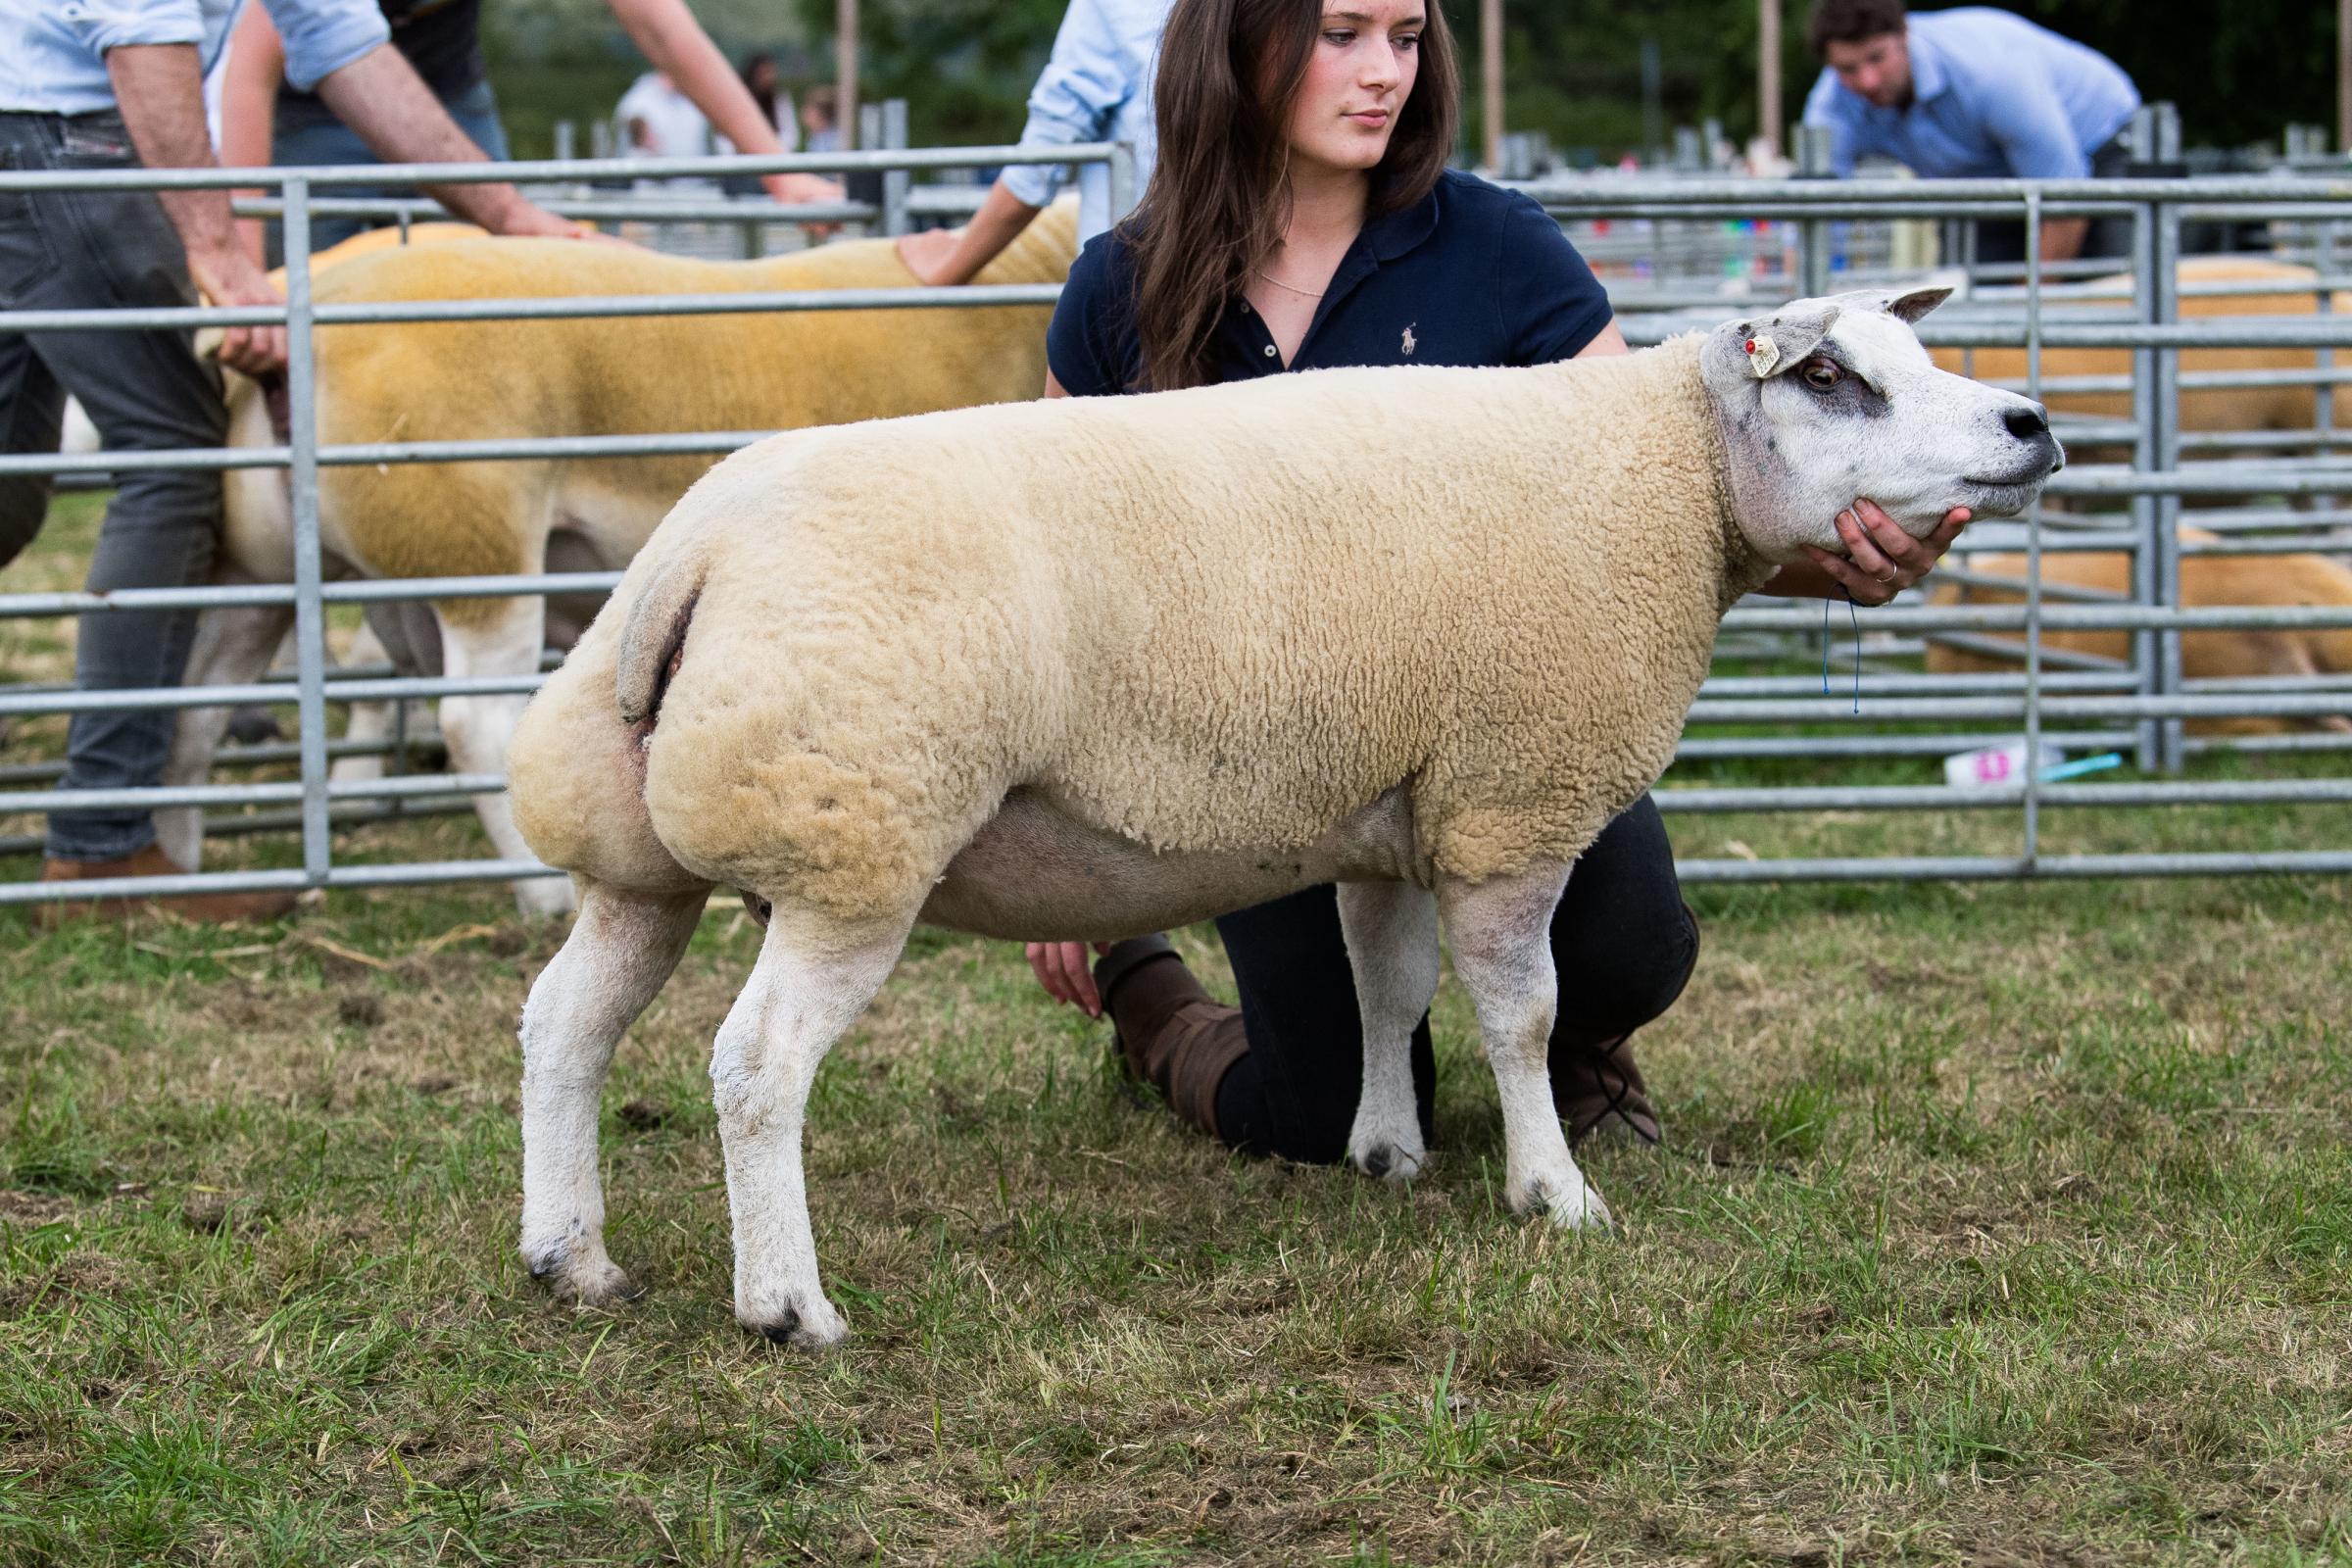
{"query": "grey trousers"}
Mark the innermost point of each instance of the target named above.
(145, 391)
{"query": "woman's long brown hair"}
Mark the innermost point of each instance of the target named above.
(1219, 198)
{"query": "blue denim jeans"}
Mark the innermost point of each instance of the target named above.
(145, 391)
(309, 140)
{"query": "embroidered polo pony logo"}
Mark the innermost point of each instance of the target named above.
(1408, 340)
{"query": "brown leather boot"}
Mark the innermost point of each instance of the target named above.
(207, 909)
(1170, 1032)
(1598, 1092)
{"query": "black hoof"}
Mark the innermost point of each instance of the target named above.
(782, 1330)
(1378, 1161)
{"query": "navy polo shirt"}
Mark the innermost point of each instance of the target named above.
(1471, 274)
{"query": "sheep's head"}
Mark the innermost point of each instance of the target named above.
(1831, 400)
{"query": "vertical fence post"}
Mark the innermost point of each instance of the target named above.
(1123, 194)
(2171, 751)
(2164, 132)
(310, 611)
(2322, 396)
(1813, 162)
(2032, 833)
(2143, 446)
(895, 182)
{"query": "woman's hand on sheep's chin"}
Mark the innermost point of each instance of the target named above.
(1881, 560)
(1068, 973)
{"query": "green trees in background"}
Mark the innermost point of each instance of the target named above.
(2238, 72)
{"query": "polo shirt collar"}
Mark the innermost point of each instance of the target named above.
(1929, 78)
(1393, 234)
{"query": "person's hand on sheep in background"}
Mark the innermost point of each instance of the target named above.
(1881, 560)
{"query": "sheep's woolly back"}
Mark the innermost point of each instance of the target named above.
(1211, 620)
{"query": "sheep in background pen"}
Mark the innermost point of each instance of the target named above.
(610, 375)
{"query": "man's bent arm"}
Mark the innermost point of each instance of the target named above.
(159, 89)
(257, 64)
(679, 48)
(381, 98)
(954, 257)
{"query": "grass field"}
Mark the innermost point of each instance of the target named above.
(1997, 1226)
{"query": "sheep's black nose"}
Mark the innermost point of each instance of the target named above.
(2028, 422)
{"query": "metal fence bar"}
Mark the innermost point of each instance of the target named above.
(2030, 850)
(544, 172)
(964, 296)
(1998, 868)
(2166, 432)
(155, 797)
(310, 611)
(1945, 710)
(1948, 798)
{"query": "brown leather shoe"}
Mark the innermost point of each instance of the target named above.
(207, 909)
(1169, 1032)
(1598, 1092)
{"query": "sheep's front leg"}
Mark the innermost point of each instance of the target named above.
(621, 948)
(1502, 936)
(809, 985)
(1391, 932)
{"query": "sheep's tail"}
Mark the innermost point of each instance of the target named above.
(653, 637)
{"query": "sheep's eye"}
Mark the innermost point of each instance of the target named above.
(1821, 374)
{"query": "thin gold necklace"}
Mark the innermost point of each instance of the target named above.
(1293, 288)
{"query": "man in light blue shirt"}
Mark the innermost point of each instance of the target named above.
(1096, 86)
(92, 84)
(1971, 93)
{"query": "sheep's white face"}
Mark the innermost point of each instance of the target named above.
(1833, 400)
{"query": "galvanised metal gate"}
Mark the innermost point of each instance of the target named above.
(2139, 705)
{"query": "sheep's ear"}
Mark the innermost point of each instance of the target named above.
(1909, 308)
(1778, 346)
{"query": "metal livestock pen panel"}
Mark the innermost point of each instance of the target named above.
(2144, 703)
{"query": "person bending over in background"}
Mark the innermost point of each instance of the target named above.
(1974, 93)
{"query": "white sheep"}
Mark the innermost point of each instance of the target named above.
(1088, 668)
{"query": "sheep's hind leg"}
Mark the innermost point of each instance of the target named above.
(1391, 931)
(621, 948)
(1501, 935)
(811, 982)
(232, 647)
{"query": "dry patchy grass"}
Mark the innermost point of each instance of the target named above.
(1995, 1228)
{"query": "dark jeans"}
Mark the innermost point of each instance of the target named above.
(2005, 241)
(311, 138)
(1622, 940)
(145, 391)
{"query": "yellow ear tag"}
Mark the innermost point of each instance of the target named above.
(1762, 355)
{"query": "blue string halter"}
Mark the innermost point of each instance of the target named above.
(1855, 617)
